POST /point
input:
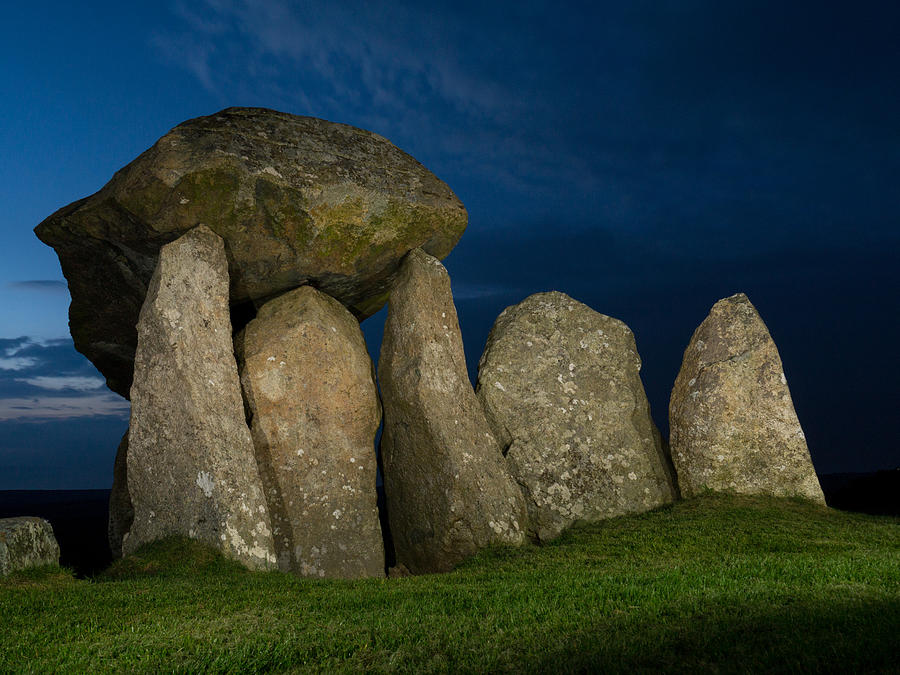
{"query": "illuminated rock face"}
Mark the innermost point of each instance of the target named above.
(733, 424)
(191, 468)
(561, 388)
(298, 201)
(310, 388)
(448, 491)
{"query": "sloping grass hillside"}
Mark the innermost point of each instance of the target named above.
(721, 584)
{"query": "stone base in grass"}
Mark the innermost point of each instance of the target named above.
(26, 542)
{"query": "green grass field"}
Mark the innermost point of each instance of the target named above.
(721, 584)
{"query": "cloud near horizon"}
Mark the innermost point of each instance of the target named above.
(48, 408)
(60, 383)
(55, 286)
(11, 362)
(49, 380)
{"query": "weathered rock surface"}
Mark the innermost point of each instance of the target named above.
(448, 490)
(191, 465)
(733, 424)
(298, 200)
(26, 542)
(310, 386)
(121, 512)
(561, 388)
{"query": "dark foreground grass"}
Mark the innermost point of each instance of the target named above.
(717, 584)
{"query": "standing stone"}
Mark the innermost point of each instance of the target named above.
(26, 542)
(121, 512)
(561, 388)
(310, 387)
(448, 491)
(191, 465)
(733, 423)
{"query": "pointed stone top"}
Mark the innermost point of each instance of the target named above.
(732, 420)
(561, 389)
(732, 327)
(736, 298)
(418, 257)
(199, 233)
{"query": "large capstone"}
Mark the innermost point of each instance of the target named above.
(448, 491)
(26, 542)
(560, 385)
(190, 461)
(298, 200)
(733, 424)
(310, 387)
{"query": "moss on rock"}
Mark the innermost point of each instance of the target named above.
(297, 200)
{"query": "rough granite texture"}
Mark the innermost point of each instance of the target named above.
(298, 201)
(191, 465)
(309, 384)
(448, 491)
(121, 512)
(561, 389)
(26, 542)
(733, 424)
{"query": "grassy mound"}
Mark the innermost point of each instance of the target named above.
(714, 584)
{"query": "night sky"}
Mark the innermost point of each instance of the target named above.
(647, 158)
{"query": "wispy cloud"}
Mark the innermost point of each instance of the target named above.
(62, 382)
(185, 54)
(443, 82)
(50, 380)
(16, 363)
(55, 286)
(8, 354)
(63, 407)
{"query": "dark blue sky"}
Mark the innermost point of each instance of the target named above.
(645, 157)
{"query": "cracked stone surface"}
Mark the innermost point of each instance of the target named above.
(732, 420)
(449, 493)
(298, 200)
(190, 461)
(26, 542)
(561, 388)
(310, 387)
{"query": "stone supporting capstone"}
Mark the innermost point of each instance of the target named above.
(190, 462)
(310, 387)
(448, 491)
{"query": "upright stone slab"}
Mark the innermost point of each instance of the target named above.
(448, 491)
(26, 542)
(310, 387)
(191, 465)
(561, 388)
(121, 512)
(732, 420)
